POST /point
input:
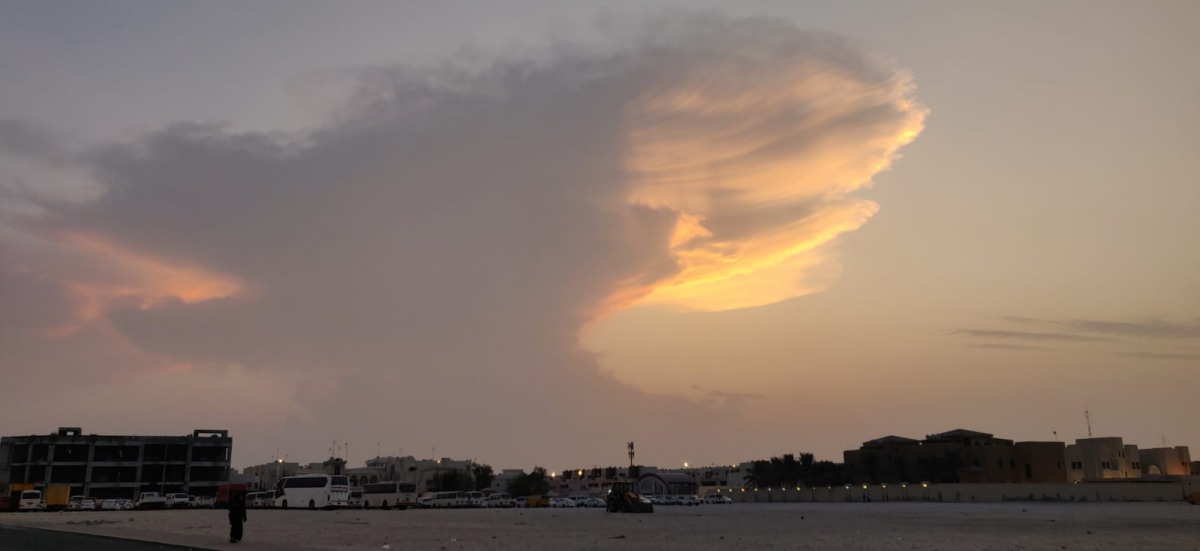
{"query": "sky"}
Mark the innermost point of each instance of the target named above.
(529, 232)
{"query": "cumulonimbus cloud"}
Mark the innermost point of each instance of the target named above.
(456, 232)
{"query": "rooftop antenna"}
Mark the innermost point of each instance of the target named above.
(631, 455)
(1164, 439)
(1088, 416)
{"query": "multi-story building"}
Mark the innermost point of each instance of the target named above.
(595, 481)
(410, 469)
(1176, 461)
(1102, 459)
(266, 475)
(105, 466)
(956, 456)
(1041, 462)
(502, 478)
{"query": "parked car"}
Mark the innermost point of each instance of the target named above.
(110, 505)
(175, 501)
(128, 505)
(87, 504)
(562, 502)
(714, 499)
(590, 502)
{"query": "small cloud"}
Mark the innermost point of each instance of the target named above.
(1008, 346)
(1151, 329)
(1024, 335)
(734, 399)
(1161, 355)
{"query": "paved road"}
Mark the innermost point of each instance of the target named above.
(31, 539)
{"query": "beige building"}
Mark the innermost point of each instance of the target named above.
(594, 481)
(266, 475)
(1041, 462)
(410, 469)
(1174, 461)
(960, 455)
(1107, 458)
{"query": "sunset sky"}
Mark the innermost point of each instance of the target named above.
(531, 231)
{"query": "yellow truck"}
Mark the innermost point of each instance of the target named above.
(57, 496)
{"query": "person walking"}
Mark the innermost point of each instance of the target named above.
(237, 515)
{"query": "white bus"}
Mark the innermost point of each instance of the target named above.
(443, 500)
(389, 494)
(313, 491)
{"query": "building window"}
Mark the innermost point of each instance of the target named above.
(1105, 465)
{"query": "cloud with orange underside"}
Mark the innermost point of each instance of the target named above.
(117, 275)
(727, 143)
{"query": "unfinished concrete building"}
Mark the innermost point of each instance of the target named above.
(104, 466)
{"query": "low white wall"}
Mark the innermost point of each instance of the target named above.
(966, 493)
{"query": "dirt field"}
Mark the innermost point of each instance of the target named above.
(758, 526)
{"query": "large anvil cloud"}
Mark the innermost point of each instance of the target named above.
(440, 245)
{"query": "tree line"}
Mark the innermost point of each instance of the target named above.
(789, 471)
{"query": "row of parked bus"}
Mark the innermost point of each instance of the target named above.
(320, 491)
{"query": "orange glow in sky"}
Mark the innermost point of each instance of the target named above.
(760, 175)
(126, 274)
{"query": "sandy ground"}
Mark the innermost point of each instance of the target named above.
(749, 526)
